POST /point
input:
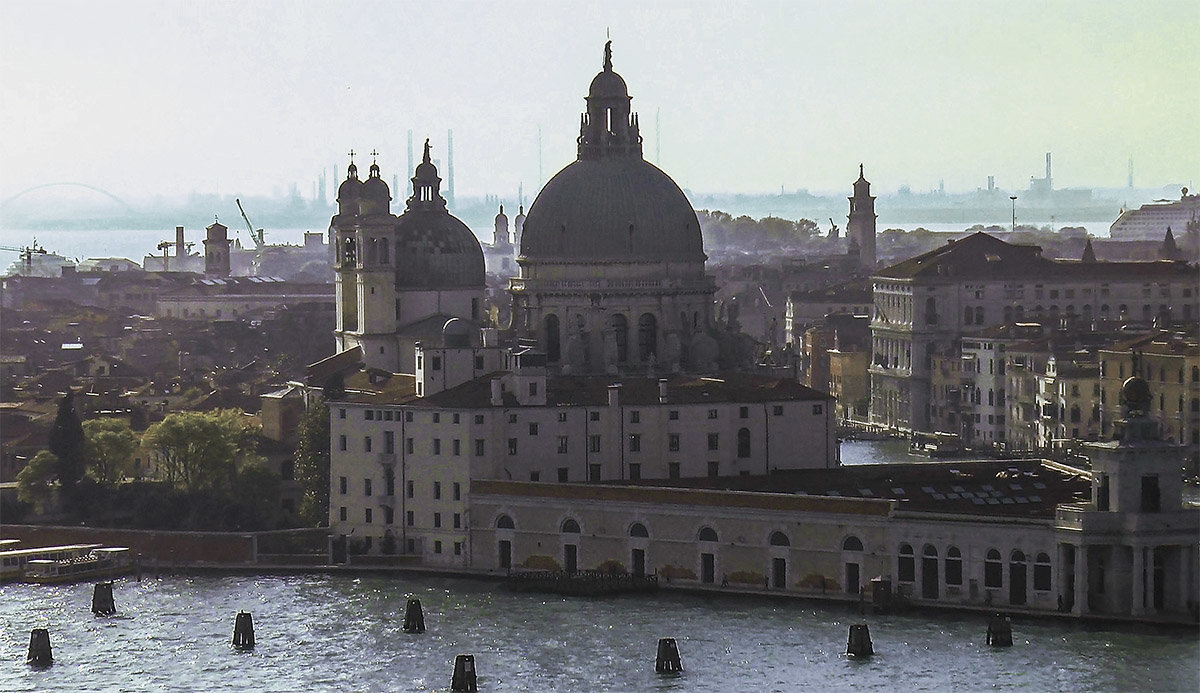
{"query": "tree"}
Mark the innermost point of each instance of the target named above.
(201, 450)
(312, 463)
(33, 482)
(68, 444)
(110, 445)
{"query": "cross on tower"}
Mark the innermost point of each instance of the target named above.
(351, 156)
(373, 155)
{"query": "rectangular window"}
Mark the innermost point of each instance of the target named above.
(535, 476)
(714, 469)
(437, 547)
(993, 573)
(714, 441)
(366, 487)
(389, 515)
(533, 389)
(635, 417)
(437, 490)
(562, 417)
(743, 412)
(594, 472)
(367, 515)
(512, 418)
(594, 416)
(457, 419)
(389, 480)
(635, 472)
(478, 363)
(410, 488)
(437, 520)
(408, 416)
(673, 415)
(369, 415)
(818, 409)
(512, 446)
(408, 518)
(1150, 494)
(673, 470)
(673, 442)
(389, 442)
(437, 446)
(1041, 577)
(563, 475)
(479, 419)
(342, 485)
(533, 429)
(457, 491)
(712, 413)
(635, 442)
(562, 445)
(367, 444)
(408, 446)
(458, 548)
(479, 447)
(457, 520)
(342, 513)
(342, 443)
(341, 413)
(594, 443)
(437, 363)
(456, 444)
(777, 410)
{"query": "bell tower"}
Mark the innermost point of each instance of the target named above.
(860, 227)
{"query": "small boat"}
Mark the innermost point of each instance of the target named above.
(97, 564)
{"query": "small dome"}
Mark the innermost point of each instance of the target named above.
(608, 85)
(434, 250)
(375, 194)
(501, 216)
(1135, 393)
(351, 188)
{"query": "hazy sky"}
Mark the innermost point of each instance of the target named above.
(248, 97)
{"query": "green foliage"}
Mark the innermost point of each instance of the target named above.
(312, 464)
(722, 230)
(67, 442)
(33, 482)
(109, 445)
(201, 450)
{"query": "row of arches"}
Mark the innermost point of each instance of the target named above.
(619, 327)
(638, 530)
(938, 572)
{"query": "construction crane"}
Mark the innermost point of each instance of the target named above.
(27, 254)
(256, 236)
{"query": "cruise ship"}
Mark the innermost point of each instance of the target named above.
(1150, 221)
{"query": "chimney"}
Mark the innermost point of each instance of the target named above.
(180, 248)
(497, 393)
(662, 390)
(614, 395)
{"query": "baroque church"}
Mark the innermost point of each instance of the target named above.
(610, 277)
(399, 279)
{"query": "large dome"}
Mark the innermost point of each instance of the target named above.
(615, 208)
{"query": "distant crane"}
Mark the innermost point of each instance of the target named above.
(27, 254)
(256, 236)
(833, 232)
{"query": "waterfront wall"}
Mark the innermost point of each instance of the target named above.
(215, 548)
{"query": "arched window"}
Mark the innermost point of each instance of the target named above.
(743, 442)
(907, 566)
(638, 529)
(1041, 573)
(504, 522)
(620, 332)
(647, 336)
(384, 255)
(570, 526)
(931, 316)
(779, 539)
(978, 315)
(1123, 309)
(553, 343)
(953, 566)
(707, 534)
(993, 569)
(967, 315)
(852, 543)
(1104, 309)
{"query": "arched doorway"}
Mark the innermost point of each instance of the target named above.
(570, 530)
(647, 336)
(929, 572)
(553, 338)
(1016, 579)
(620, 332)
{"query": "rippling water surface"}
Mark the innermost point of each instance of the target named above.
(344, 633)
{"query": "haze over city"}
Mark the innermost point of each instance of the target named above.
(153, 98)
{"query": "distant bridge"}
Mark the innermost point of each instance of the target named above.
(93, 188)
